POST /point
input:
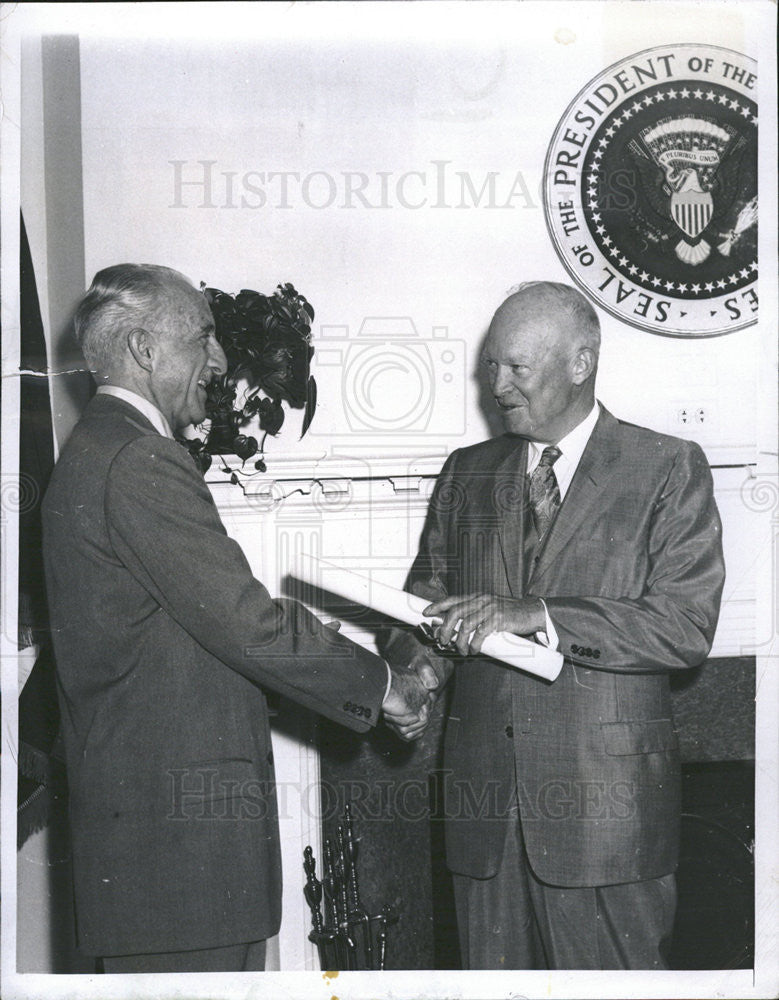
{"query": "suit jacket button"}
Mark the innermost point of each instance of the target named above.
(510, 732)
(270, 757)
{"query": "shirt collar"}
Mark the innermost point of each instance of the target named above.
(149, 410)
(571, 446)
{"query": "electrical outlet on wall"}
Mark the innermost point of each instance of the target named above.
(691, 417)
(686, 415)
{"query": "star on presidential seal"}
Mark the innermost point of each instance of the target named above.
(650, 190)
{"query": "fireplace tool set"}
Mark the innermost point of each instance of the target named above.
(346, 935)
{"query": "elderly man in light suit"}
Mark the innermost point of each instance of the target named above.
(602, 539)
(165, 644)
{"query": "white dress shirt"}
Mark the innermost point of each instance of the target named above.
(149, 410)
(571, 450)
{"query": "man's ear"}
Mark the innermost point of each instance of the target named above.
(141, 347)
(585, 363)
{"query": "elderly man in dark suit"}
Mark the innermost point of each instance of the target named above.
(602, 539)
(165, 645)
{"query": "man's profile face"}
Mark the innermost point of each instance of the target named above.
(188, 357)
(528, 360)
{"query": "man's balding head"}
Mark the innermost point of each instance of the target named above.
(572, 314)
(541, 356)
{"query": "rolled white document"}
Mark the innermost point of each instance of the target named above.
(404, 607)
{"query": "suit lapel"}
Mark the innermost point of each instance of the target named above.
(509, 492)
(586, 492)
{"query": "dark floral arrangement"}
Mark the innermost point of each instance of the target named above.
(267, 342)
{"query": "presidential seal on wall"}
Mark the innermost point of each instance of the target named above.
(650, 190)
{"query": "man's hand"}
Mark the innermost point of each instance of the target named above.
(471, 618)
(410, 698)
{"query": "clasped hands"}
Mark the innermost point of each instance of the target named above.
(465, 622)
(411, 696)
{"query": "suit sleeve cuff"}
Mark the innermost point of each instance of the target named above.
(548, 637)
(389, 682)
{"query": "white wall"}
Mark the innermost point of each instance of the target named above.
(378, 101)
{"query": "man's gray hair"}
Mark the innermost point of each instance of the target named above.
(120, 299)
(567, 300)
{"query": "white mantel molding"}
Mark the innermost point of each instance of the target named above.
(324, 466)
(328, 469)
(326, 481)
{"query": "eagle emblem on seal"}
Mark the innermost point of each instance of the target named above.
(689, 172)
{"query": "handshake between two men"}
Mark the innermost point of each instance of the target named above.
(146, 642)
(463, 623)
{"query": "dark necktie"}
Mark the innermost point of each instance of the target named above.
(544, 492)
